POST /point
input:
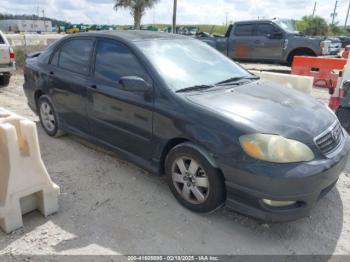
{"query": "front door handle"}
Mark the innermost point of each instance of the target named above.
(93, 86)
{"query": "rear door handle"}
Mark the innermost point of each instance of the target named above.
(52, 73)
(93, 86)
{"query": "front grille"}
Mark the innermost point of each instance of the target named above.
(330, 140)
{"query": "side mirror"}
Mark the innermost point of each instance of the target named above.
(133, 84)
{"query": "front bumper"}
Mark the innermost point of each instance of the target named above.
(334, 51)
(304, 183)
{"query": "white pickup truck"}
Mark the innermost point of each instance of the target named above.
(7, 61)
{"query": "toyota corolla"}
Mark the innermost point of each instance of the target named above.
(175, 106)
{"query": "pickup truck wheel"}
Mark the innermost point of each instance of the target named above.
(299, 52)
(5, 80)
(48, 117)
(194, 182)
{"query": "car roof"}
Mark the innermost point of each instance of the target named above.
(133, 35)
(257, 21)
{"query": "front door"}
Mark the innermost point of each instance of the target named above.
(269, 42)
(120, 118)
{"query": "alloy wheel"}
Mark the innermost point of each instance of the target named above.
(47, 117)
(190, 180)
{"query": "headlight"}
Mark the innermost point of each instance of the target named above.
(276, 149)
(325, 46)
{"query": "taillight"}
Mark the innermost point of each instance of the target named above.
(12, 54)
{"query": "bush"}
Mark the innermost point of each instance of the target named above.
(21, 53)
(314, 26)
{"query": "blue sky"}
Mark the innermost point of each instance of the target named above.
(189, 11)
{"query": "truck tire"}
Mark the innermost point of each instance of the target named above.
(343, 115)
(5, 80)
(299, 52)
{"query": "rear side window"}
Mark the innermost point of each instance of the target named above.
(75, 56)
(2, 41)
(115, 60)
(244, 30)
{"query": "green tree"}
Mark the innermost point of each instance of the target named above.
(137, 8)
(337, 30)
(313, 26)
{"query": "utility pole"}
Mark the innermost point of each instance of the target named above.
(174, 16)
(314, 11)
(38, 12)
(154, 17)
(334, 12)
(347, 16)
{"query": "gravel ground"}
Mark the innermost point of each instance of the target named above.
(108, 206)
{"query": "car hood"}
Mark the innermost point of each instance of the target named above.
(263, 106)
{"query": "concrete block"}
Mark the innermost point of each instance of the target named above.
(25, 184)
(301, 83)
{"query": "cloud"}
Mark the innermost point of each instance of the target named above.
(189, 11)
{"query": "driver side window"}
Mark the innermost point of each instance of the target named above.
(114, 60)
(267, 29)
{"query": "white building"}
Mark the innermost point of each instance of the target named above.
(16, 25)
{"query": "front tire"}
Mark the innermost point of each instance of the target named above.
(294, 53)
(194, 182)
(48, 117)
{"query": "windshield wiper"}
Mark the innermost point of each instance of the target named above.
(194, 88)
(236, 80)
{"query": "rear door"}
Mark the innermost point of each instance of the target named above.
(120, 118)
(269, 42)
(4, 51)
(68, 79)
(241, 43)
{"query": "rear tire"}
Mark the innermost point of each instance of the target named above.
(5, 80)
(48, 117)
(194, 182)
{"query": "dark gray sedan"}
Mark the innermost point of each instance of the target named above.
(176, 106)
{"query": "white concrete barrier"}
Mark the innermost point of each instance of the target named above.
(301, 83)
(25, 184)
(32, 39)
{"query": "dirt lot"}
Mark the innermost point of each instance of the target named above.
(108, 206)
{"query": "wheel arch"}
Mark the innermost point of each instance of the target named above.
(172, 143)
(37, 94)
(300, 50)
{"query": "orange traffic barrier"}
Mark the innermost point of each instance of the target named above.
(325, 70)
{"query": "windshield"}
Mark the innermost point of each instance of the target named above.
(188, 63)
(287, 25)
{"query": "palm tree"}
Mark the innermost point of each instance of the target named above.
(137, 8)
